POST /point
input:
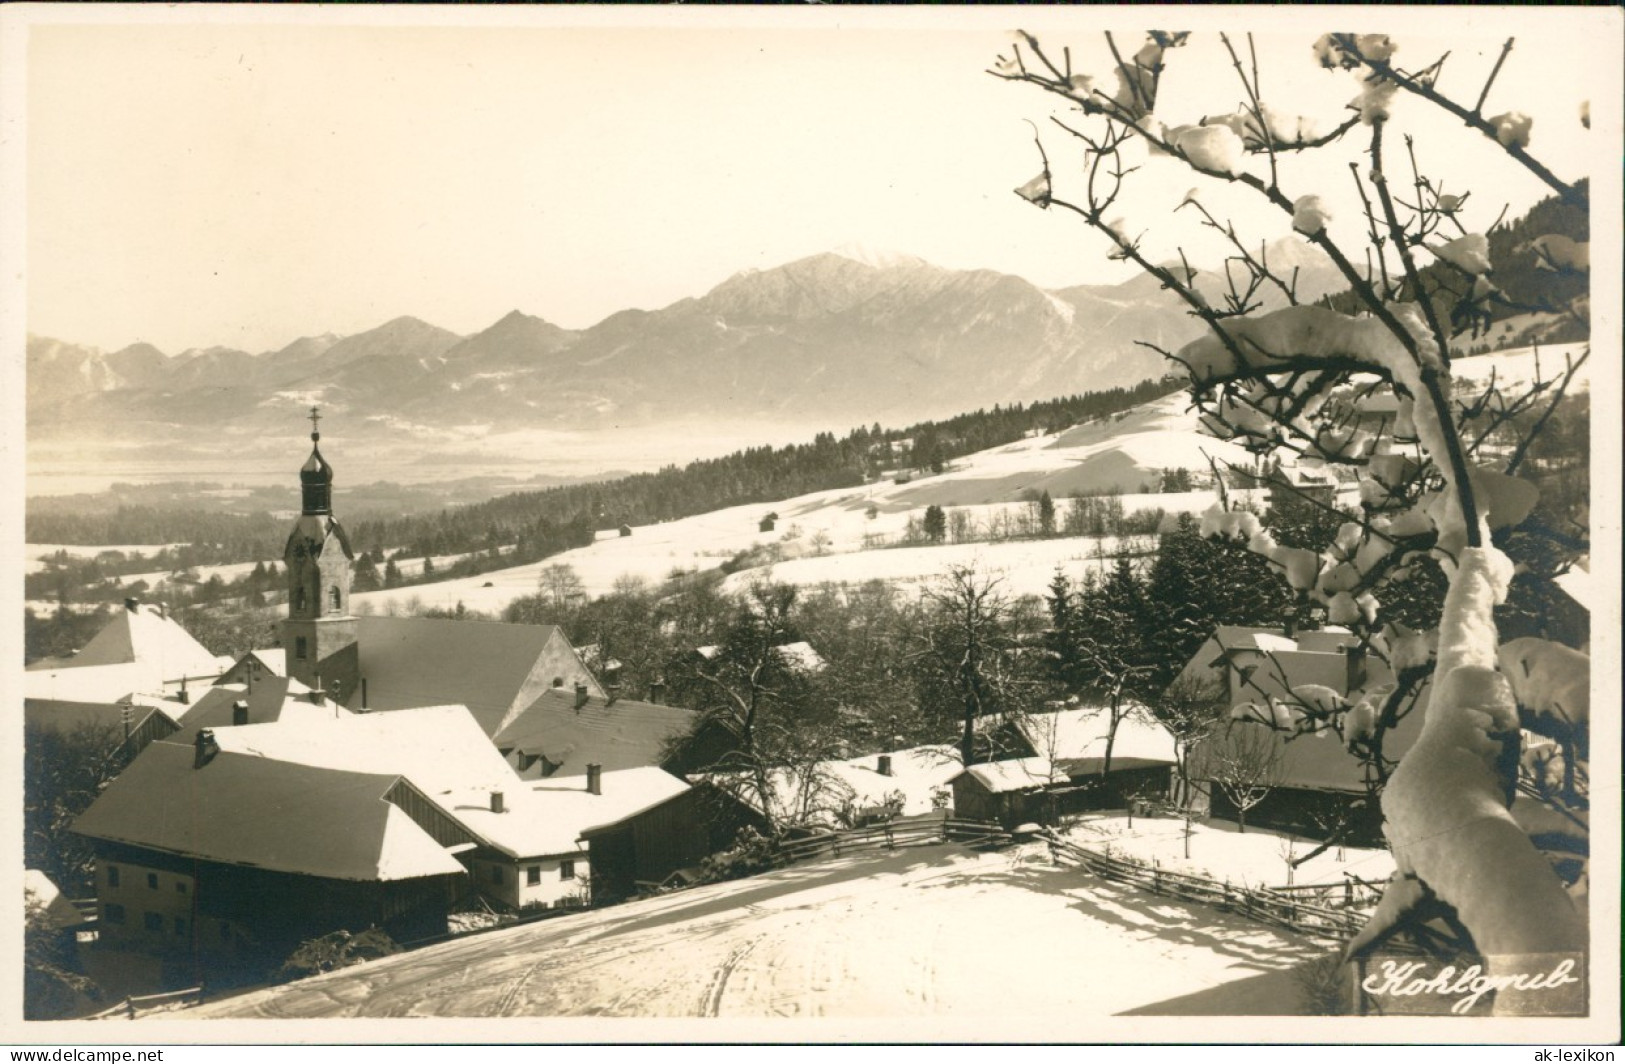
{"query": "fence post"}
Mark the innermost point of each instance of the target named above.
(129, 1007)
(1348, 894)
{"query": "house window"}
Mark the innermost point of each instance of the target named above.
(152, 880)
(112, 875)
(496, 873)
(153, 921)
(113, 913)
(180, 925)
(334, 602)
(301, 649)
(567, 869)
(533, 875)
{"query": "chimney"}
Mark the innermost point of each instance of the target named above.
(657, 690)
(204, 748)
(612, 691)
(595, 779)
(239, 713)
(496, 802)
(163, 611)
(183, 696)
(1289, 626)
(581, 695)
(883, 764)
(132, 604)
(318, 697)
(363, 694)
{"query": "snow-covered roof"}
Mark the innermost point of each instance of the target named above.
(71, 716)
(94, 683)
(38, 890)
(439, 748)
(270, 700)
(547, 817)
(801, 656)
(145, 634)
(1017, 774)
(1080, 734)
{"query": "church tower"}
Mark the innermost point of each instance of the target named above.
(319, 636)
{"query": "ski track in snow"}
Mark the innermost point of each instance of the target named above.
(930, 931)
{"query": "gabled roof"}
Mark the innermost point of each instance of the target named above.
(70, 716)
(55, 908)
(272, 699)
(274, 660)
(438, 748)
(617, 735)
(143, 634)
(547, 817)
(260, 813)
(419, 661)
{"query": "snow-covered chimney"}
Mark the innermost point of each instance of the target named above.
(883, 764)
(239, 713)
(595, 781)
(657, 691)
(132, 604)
(581, 695)
(497, 802)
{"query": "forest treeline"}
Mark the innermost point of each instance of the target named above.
(544, 522)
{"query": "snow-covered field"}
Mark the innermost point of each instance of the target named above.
(34, 554)
(1256, 857)
(932, 932)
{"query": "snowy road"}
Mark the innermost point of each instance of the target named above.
(935, 931)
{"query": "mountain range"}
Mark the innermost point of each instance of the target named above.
(833, 339)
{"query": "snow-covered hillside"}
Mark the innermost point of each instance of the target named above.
(935, 932)
(849, 535)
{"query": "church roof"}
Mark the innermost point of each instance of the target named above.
(617, 735)
(485, 665)
(273, 815)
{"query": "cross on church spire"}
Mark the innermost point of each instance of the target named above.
(315, 417)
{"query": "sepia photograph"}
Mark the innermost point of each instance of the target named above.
(811, 524)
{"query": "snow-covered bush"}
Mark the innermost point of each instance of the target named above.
(1364, 384)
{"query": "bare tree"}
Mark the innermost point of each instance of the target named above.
(1283, 376)
(1244, 762)
(966, 658)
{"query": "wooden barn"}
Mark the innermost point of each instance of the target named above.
(675, 836)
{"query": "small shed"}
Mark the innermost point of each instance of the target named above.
(1038, 789)
(626, 530)
(768, 523)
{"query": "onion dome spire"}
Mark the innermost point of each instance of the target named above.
(316, 476)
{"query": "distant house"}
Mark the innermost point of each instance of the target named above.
(492, 668)
(664, 841)
(768, 523)
(1319, 781)
(285, 852)
(1067, 771)
(257, 664)
(626, 530)
(561, 732)
(144, 635)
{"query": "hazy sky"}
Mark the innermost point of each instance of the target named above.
(201, 179)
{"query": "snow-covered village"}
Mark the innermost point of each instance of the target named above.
(1195, 627)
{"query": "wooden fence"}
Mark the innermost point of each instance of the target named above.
(892, 834)
(130, 1006)
(1296, 909)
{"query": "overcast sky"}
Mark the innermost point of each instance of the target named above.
(200, 179)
